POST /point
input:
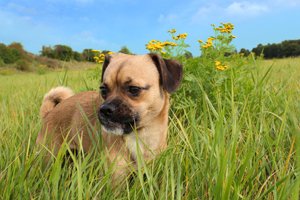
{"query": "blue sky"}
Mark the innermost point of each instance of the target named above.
(111, 24)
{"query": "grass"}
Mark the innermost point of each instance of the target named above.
(43, 65)
(233, 137)
(284, 70)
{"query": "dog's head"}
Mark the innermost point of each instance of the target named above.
(135, 89)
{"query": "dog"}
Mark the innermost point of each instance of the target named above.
(132, 108)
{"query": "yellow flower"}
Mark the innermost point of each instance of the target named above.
(209, 42)
(154, 45)
(200, 41)
(228, 26)
(225, 28)
(206, 45)
(96, 51)
(182, 36)
(167, 43)
(172, 31)
(219, 66)
(153, 41)
(100, 58)
(217, 63)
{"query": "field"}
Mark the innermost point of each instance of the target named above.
(233, 134)
(234, 131)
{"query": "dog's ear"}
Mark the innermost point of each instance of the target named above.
(105, 64)
(170, 72)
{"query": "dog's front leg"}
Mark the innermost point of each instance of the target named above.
(121, 169)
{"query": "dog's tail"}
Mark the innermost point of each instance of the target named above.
(54, 97)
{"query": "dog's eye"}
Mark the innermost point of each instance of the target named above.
(104, 91)
(134, 90)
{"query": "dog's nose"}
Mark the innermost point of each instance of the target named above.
(107, 110)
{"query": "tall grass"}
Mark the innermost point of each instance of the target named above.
(234, 138)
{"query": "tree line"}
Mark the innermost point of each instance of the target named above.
(287, 48)
(14, 53)
(11, 53)
(65, 53)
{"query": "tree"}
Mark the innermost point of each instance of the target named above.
(63, 52)
(77, 56)
(125, 50)
(245, 52)
(3, 52)
(188, 54)
(17, 46)
(9, 54)
(88, 55)
(287, 48)
(47, 52)
(258, 50)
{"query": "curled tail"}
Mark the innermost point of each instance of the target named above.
(54, 97)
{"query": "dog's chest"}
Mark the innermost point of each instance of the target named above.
(132, 144)
(141, 145)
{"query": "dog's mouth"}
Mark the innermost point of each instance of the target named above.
(120, 125)
(117, 117)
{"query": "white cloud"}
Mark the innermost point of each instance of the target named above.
(246, 8)
(88, 38)
(33, 34)
(205, 12)
(235, 9)
(23, 29)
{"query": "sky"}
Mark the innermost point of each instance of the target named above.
(111, 24)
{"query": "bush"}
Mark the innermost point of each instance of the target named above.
(125, 50)
(49, 62)
(9, 55)
(1, 63)
(88, 55)
(12, 53)
(77, 56)
(47, 52)
(7, 71)
(60, 52)
(23, 65)
(63, 52)
(41, 70)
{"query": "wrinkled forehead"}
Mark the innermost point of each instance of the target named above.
(135, 69)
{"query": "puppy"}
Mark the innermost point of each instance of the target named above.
(132, 108)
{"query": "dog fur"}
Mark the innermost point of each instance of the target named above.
(132, 107)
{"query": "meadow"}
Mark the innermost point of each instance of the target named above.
(233, 134)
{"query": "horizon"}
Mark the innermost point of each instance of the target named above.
(109, 25)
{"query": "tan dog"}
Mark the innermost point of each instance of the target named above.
(132, 105)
